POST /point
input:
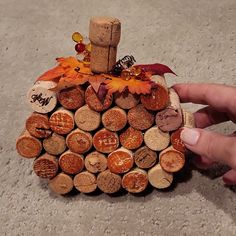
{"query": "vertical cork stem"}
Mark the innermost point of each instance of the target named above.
(104, 34)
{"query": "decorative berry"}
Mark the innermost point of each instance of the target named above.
(77, 37)
(79, 47)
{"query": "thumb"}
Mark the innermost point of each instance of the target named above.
(214, 146)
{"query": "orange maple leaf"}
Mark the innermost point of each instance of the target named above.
(70, 81)
(54, 74)
(139, 86)
(134, 86)
(71, 63)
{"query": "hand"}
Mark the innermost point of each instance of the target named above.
(210, 146)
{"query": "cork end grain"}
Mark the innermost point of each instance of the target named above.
(126, 100)
(62, 121)
(155, 139)
(40, 98)
(95, 162)
(46, 166)
(158, 99)
(171, 160)
(71, 163)
(71, 98)
(120, 161)
(87, 119)
(131, 138)
(79, 141)
(105, 141)
(61, 184)
(108, 182)
(28, 146)
(140, 118)
(159, 178)
(135, 181)
(38, 125)
(55, 144)
(114, 119)
(85, 182)
(169, 119)
(177, 142)
(145, 158)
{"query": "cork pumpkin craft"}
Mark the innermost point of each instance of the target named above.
(102, 123)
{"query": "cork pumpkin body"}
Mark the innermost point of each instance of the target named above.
(102, 125)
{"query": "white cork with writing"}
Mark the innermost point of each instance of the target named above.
(40, 98)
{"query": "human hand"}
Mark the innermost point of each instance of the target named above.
(210, 146)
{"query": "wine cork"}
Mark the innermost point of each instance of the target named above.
(158, 99)
(71, 163)
(188, 119)
(108, 182)
(171, 160)
(28, 146)
(159, 178)
(55, 144)
(79, 141)
(61, 184)
(104, 34)
(155, 139)
(169, 119)
(126, 100)
(135, 181)
(105, 141)
(95, 103)
(145, 158)
(40, 98)
(131, 138)
(174, 100)
(139, 118)
(38, 125)
(114, 119)
(177, 142)
(71, 98)
(62, 121)
(85, 182)
(46, 166)
(95, 162)
(120, 161)
(87, 119)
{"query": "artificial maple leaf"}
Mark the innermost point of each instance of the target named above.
(53, 74)
(156, 69)
(133, 85)
(139, 86)
(95, 81)
(72, 79)
(71, 63)
(115, 85)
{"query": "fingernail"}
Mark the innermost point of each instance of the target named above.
(190, 136)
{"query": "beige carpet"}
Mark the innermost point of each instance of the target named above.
(197, 39)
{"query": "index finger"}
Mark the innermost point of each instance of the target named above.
(220, 97)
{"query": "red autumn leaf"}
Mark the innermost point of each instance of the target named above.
(53, 74)
(156, 69)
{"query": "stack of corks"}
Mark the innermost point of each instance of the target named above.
(124, 141)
